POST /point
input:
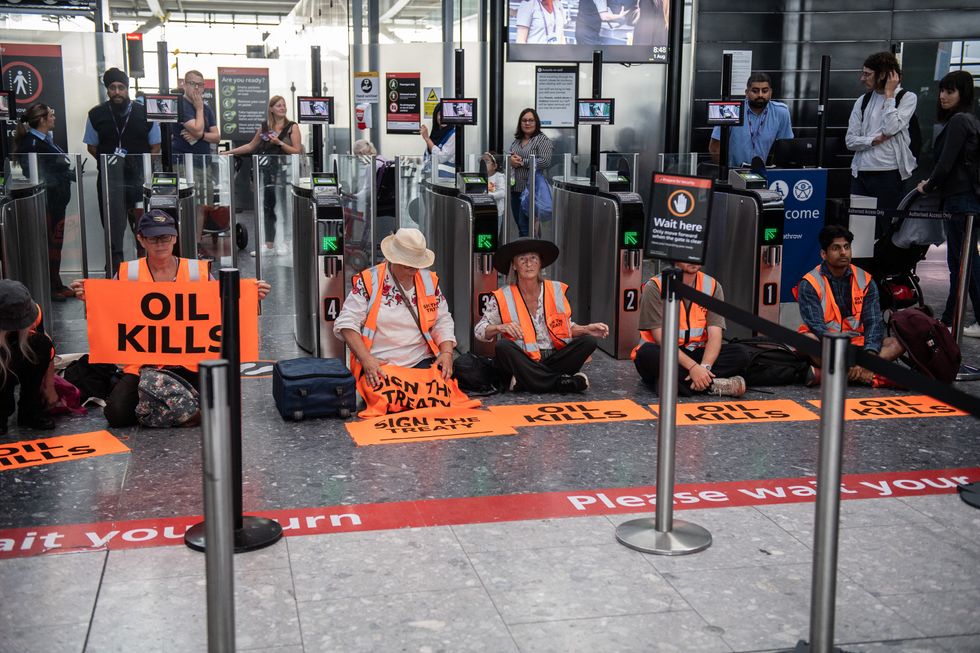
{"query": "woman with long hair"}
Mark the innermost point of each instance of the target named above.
(25, 355)
(34, 135)
(277, 136)
(953, 179)
(528, 140)
(440, 142)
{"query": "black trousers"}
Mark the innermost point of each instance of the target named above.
(732, 361)
(120, 405)
(29, 374)
(543, 375)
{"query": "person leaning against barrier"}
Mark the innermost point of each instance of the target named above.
(396, 313)
(954, 180)
(156, 233)
(706, 364)
(838, 297)
(538, 346)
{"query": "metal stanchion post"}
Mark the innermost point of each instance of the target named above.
(967, 372)
(218, 515)
(823, 591)
(663, 535)
(251, 532)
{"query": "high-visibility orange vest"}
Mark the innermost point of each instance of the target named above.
(557, 316)
(693, 322)
(427, 303)
(188, 269)
(851, 325)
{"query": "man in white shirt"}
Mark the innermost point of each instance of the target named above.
(878, 134)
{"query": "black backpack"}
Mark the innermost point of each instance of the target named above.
(915, 132)
(772, 363)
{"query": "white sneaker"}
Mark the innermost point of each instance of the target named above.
(283, 250)
(972, 331)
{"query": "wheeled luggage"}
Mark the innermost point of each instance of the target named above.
(313, 387)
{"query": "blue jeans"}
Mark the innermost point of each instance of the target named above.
(959, 205)
(520, 217)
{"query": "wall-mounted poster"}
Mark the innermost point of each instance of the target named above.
(34, 73)
(555, 91)
(243, 101)
(403, 102)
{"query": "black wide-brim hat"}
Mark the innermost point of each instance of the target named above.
(504, 256)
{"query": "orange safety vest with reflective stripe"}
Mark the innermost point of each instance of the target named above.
(427, 303)
(188, 269)
(851, 325)
(557, 316)
(693, 323)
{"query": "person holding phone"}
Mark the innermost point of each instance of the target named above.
(878, 134)
(277, 136)
(528, 141)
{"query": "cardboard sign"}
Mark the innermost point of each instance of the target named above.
(679, 214)
(161, 323)
(15, 455)
(777, 410)
(404, 388)
(573, 412)
(892, 407)
(428, 424)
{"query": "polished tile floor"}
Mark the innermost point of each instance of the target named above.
(909, 573)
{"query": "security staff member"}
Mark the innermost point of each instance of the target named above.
(766, 120)
(119, 126)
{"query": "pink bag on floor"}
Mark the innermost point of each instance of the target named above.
(69, 399)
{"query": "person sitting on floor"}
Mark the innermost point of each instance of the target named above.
(706, 364)
(25, 355)
(156, 233)
(838, 297)
(396, 313)
(540, 348)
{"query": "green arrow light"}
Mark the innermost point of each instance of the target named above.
(630, 237)
(330, 244)
(484, 241)
(769, 234)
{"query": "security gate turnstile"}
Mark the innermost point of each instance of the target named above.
(460, 227)
(599, 230)
(745, 247)
(24, 240)
(318, 263)
(169, 193)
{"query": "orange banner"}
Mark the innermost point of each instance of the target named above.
(407, 388)
(894, 407)
(428, 424)
(740, 412)
(572, 412)
(29, 453)
(160, 323)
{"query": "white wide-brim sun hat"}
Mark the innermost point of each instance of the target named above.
(407, 247)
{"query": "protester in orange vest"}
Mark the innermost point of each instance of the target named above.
(706, 364)
(25, 355)
(156, 233)
(837, 296)
(538, 346)
(396, 313)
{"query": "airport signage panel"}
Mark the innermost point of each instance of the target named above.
(243, 97)
(403, 102)
(33, 72)
(679, 211)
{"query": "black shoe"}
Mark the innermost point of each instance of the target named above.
(3, 426)
(38, 422)
(567, 384)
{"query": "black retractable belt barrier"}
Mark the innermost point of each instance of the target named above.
(251, 532)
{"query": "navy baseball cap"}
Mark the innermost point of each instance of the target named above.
(157, 223)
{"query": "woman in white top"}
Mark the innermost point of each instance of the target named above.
(496, 183)
(541, 21)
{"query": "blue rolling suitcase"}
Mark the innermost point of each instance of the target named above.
(313, 387)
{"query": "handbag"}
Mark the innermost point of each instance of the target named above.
(543, 203)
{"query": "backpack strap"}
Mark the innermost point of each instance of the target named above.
(864, 102)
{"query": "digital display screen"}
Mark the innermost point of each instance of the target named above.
(473, 180)
(725, 113)
(314, 110)
(459, 111)
(324, 181)
(164, 180)
(330, 245)
(486, 242)
(631, 239)
(595, 111)
(570, 30)
(161, 108)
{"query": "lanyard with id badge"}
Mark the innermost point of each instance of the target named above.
(120, 150)
(550, 33)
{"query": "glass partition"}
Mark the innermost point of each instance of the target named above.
(360, 179)
(409, 177)
(685, 163)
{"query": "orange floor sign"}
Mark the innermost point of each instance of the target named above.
(735, 412)
(428, 424)
(29, 453)
(572, 412)
(894, 407)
